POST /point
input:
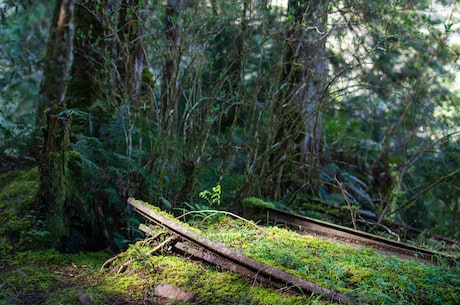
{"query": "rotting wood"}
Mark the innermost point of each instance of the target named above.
(235, 256)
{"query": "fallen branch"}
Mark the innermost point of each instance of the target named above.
(234, 256)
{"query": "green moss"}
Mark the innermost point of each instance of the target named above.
(312, 209)
(255, 208)
(257, 203)
(18, 188)
(210, 284)
(17, 219)
(48, 277)
(73, 156)
(359, 272)
(263, 296)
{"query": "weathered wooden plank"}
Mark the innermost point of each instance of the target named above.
(233, 255)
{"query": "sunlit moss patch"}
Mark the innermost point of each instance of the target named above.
(362, 273)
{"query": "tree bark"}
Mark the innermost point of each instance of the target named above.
(305, 70)
(131, 50)
(296, 145)
(77, 77)
(169, 98)
(58, 60)
(53, 165)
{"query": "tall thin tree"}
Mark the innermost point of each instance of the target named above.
(298, 106)
(169, 92)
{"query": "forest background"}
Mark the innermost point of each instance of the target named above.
(314, 105)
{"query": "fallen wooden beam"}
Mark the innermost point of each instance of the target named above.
(255, 267)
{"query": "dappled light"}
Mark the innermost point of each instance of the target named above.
(315, 144)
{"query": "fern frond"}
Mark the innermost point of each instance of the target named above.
(74, 113)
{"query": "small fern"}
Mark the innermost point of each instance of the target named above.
(74, 113)
(214, 196)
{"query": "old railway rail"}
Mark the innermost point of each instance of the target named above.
(406, 231)
(188, 242)
(352, 236)
(199, 247)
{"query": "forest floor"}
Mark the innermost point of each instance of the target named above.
(141, 275)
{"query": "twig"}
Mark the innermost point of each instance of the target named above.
(372, 223)
(426, 189)
(109, 262)
(345, 197)
(157, 248)
(123, 267)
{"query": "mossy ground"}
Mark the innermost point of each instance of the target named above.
(18, 226)
(50, 277)
(360, 273)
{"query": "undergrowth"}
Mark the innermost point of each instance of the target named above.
(20, 229)
(50, 277)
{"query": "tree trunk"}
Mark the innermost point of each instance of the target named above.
(131, 51)
(53, 167)
(297, 143)
(169, 98)
(305, 71)
(58, 60)
(78, 77)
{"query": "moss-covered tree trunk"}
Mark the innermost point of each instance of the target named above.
(89, 76)
(54, 172)
(304, 75)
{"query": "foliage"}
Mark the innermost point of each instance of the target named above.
(387, 121)
(23, 41)
(212, 197)
(20, 228)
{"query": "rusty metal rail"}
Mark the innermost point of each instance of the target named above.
(202, 248)
(449, 243)
(349, 235)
